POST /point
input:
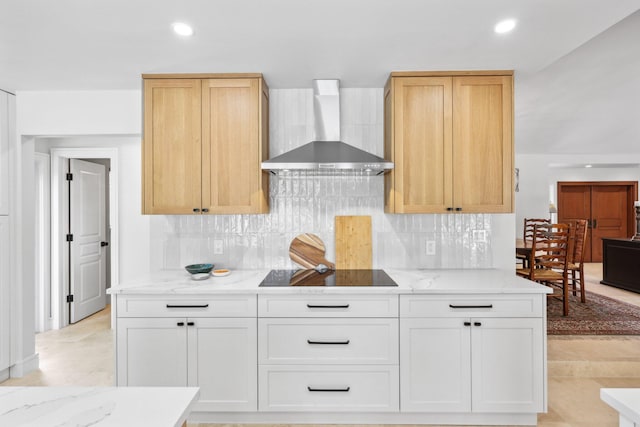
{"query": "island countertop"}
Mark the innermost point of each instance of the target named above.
(414, 281)
(96, 406)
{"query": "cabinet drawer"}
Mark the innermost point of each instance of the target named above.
(472, 305)
(328, 306)
(328, 388)
(328, 341)
(219, 306)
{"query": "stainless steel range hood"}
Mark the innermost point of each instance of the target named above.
(328, 153)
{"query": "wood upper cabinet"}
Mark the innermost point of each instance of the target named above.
(450, 137)
(205, 137)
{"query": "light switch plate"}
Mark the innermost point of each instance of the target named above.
(431, 247)
(218, 247)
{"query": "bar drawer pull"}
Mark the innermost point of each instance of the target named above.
(187, 306)
(471, 306)
(343, 390)
(328, 306)
(345, 342)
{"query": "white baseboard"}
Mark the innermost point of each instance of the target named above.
(24, 366)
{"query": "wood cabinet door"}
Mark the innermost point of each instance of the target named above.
(223, 363)
(422, 178)
(482, 144)
(231, 149)
(435, 365)
(507, 365)
(171, 146)
(610, 209)
(151, 352)
(574, 203)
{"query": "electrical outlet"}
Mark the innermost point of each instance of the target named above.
(479, 235)
(218, 248)
(431, 247)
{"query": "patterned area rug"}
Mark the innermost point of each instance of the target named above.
(600, 315)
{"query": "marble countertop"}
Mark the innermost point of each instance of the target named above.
(624, 400)
(96, 406)
(178, 282)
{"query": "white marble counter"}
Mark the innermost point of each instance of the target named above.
(178, 282)
(626, 401)
(96, 406)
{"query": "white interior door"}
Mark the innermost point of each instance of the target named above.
(87, 226)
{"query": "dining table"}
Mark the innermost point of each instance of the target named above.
(523, 251)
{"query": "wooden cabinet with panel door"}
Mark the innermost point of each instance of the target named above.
(205, 136)
(450, 136)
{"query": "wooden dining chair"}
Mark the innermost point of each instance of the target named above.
(576, 259)
(527, 237)
(548, 261)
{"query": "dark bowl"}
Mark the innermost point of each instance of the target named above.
(199, 268)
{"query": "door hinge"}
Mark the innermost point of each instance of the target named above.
(69, 237)
(69, 298)
(69, 177)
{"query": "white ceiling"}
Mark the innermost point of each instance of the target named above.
(107, 44)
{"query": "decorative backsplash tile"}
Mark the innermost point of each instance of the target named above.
(305, 203)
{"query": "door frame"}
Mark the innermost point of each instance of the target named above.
(632, 194)
(59, 221)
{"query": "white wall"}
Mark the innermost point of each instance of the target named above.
(540, 173)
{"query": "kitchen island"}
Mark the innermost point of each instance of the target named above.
(442, 347)
(96, 406)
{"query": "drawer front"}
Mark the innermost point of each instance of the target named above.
(220, 306)
(328, 388)
(502, 305)
(328, 341)
(328, 306)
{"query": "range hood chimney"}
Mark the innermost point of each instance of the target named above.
(327, 153)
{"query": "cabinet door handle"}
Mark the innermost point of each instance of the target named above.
(342, 389)
(190, 323)
(449, 209)
(328, 306)
(180, 323)
(595, 223)
(196, 209)
(471, 306)
(187, 306)
(458, 209)
(345, 342)
(467, 323)
(205, 209)
(477, 324)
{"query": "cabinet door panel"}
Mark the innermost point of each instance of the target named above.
(422, 128)
(507, 365)
(223, 363)
(152, 352)
(435, 365)
(231, 146)
(482, 143)
(171, 146)
(5, 305)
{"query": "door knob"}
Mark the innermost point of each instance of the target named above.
(104, 244)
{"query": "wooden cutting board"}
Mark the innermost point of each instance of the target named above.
(353, 243)
(308, 251)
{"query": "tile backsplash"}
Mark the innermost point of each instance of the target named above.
(305, 203)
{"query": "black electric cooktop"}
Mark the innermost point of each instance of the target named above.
(328, 278)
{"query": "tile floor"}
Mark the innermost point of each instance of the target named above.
(578, 366)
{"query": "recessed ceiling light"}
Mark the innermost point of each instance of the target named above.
(588, 166)
(182, 29)
(505, 26)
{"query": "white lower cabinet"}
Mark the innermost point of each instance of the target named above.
(472, 364)
(217, 354)
(295, 388)
(328, 353)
